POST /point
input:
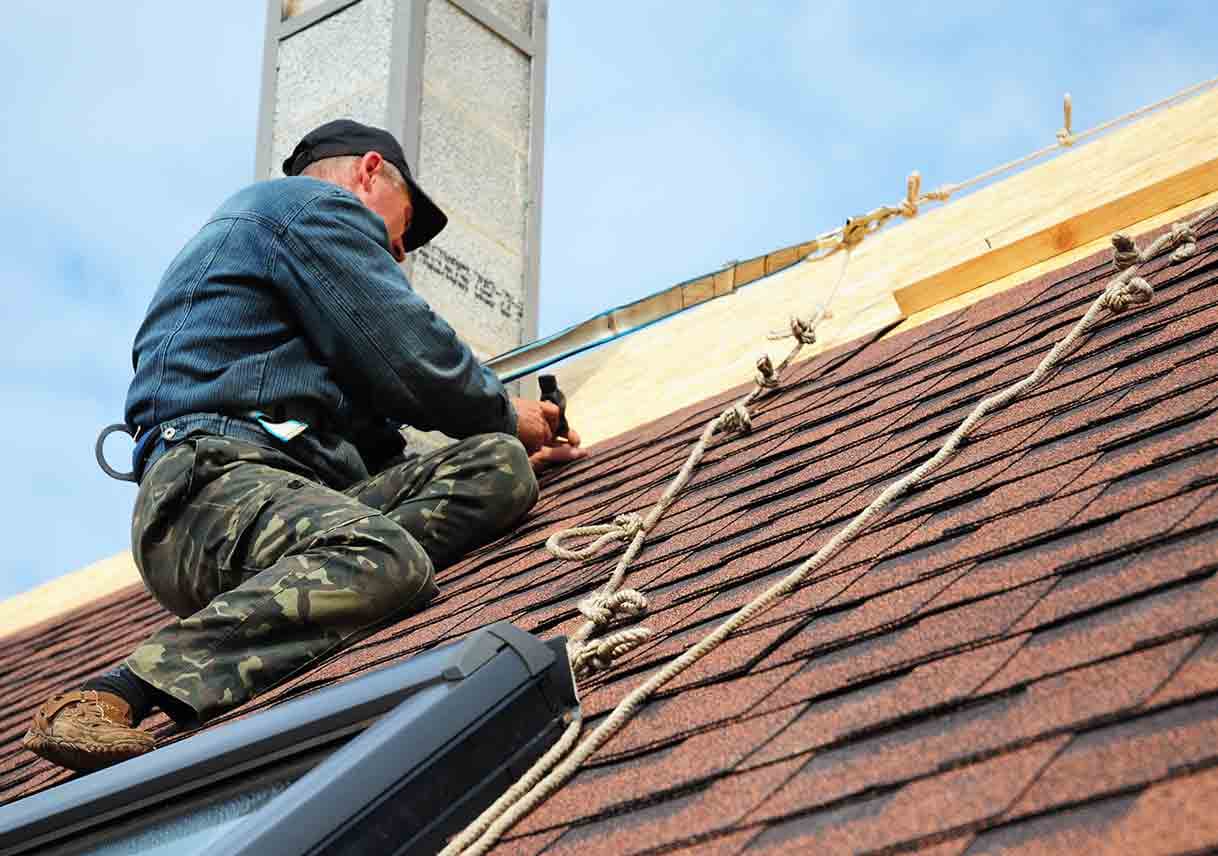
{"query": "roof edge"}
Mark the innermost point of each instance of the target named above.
(66, 593)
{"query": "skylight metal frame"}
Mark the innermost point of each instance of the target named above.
(469, 681)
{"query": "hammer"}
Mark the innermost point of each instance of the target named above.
(551, 393)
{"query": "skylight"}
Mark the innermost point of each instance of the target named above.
(457, 725)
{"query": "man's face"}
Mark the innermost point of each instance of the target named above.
(382, 194)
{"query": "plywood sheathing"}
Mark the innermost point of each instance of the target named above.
(1015, 229)
(67, 592)
(1164, 160)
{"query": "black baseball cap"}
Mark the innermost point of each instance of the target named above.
(348, 137)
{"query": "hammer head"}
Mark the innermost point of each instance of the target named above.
(550, 392)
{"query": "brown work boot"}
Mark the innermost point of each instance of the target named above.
(86, 730)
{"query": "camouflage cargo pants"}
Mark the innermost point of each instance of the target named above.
(270, 570)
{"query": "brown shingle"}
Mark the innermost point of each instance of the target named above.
(1019, 657)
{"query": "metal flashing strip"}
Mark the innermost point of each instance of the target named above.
(631, 317)
(456, 685)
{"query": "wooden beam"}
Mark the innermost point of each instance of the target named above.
(1165, 160)
(1099, 245)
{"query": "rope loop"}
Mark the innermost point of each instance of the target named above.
(623, 528)
(765, 377)
(1119, 295)
(1125, 252)
(735, 418)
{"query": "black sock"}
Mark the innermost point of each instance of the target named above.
(141, 696)
(124, 683)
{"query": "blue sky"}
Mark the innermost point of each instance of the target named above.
(678, 135)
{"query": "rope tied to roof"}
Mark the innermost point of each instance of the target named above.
(1125, 252)
(804, 331)
(603, 610)
(599, 655)
(554, 768)
(737, 419)
(611, 603)
(913, 189)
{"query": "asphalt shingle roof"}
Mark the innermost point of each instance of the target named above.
(1019, 657)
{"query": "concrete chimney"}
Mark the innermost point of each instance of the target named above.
(461, 83)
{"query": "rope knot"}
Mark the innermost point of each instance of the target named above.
(913, 188)
(855, 230)
(803, 330)
(1184, 240)
(735, 418)
(1119, 296)
(1065, 136)
(603, 610)
(765, 376)
(599, 654)
(1125, 252)
(630, 523)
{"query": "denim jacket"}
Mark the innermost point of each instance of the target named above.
(289, 303)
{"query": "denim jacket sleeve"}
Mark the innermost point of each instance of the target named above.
(383, 342)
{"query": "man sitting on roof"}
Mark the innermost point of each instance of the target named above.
(279, 514)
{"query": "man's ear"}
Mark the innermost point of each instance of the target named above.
(367, 166)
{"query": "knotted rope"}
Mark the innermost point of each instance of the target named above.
(556, 766)
(611, 603)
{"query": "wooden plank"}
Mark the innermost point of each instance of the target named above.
(1164, 160)
(725, 281)
(780, 259)
(751, 270)
(698, 291)
(1102, 244)
(1013, 250)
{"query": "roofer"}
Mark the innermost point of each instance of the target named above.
(279, 514)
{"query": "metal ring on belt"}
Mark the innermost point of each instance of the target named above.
(99, 451)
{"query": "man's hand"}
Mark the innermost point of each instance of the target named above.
(536, 426)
